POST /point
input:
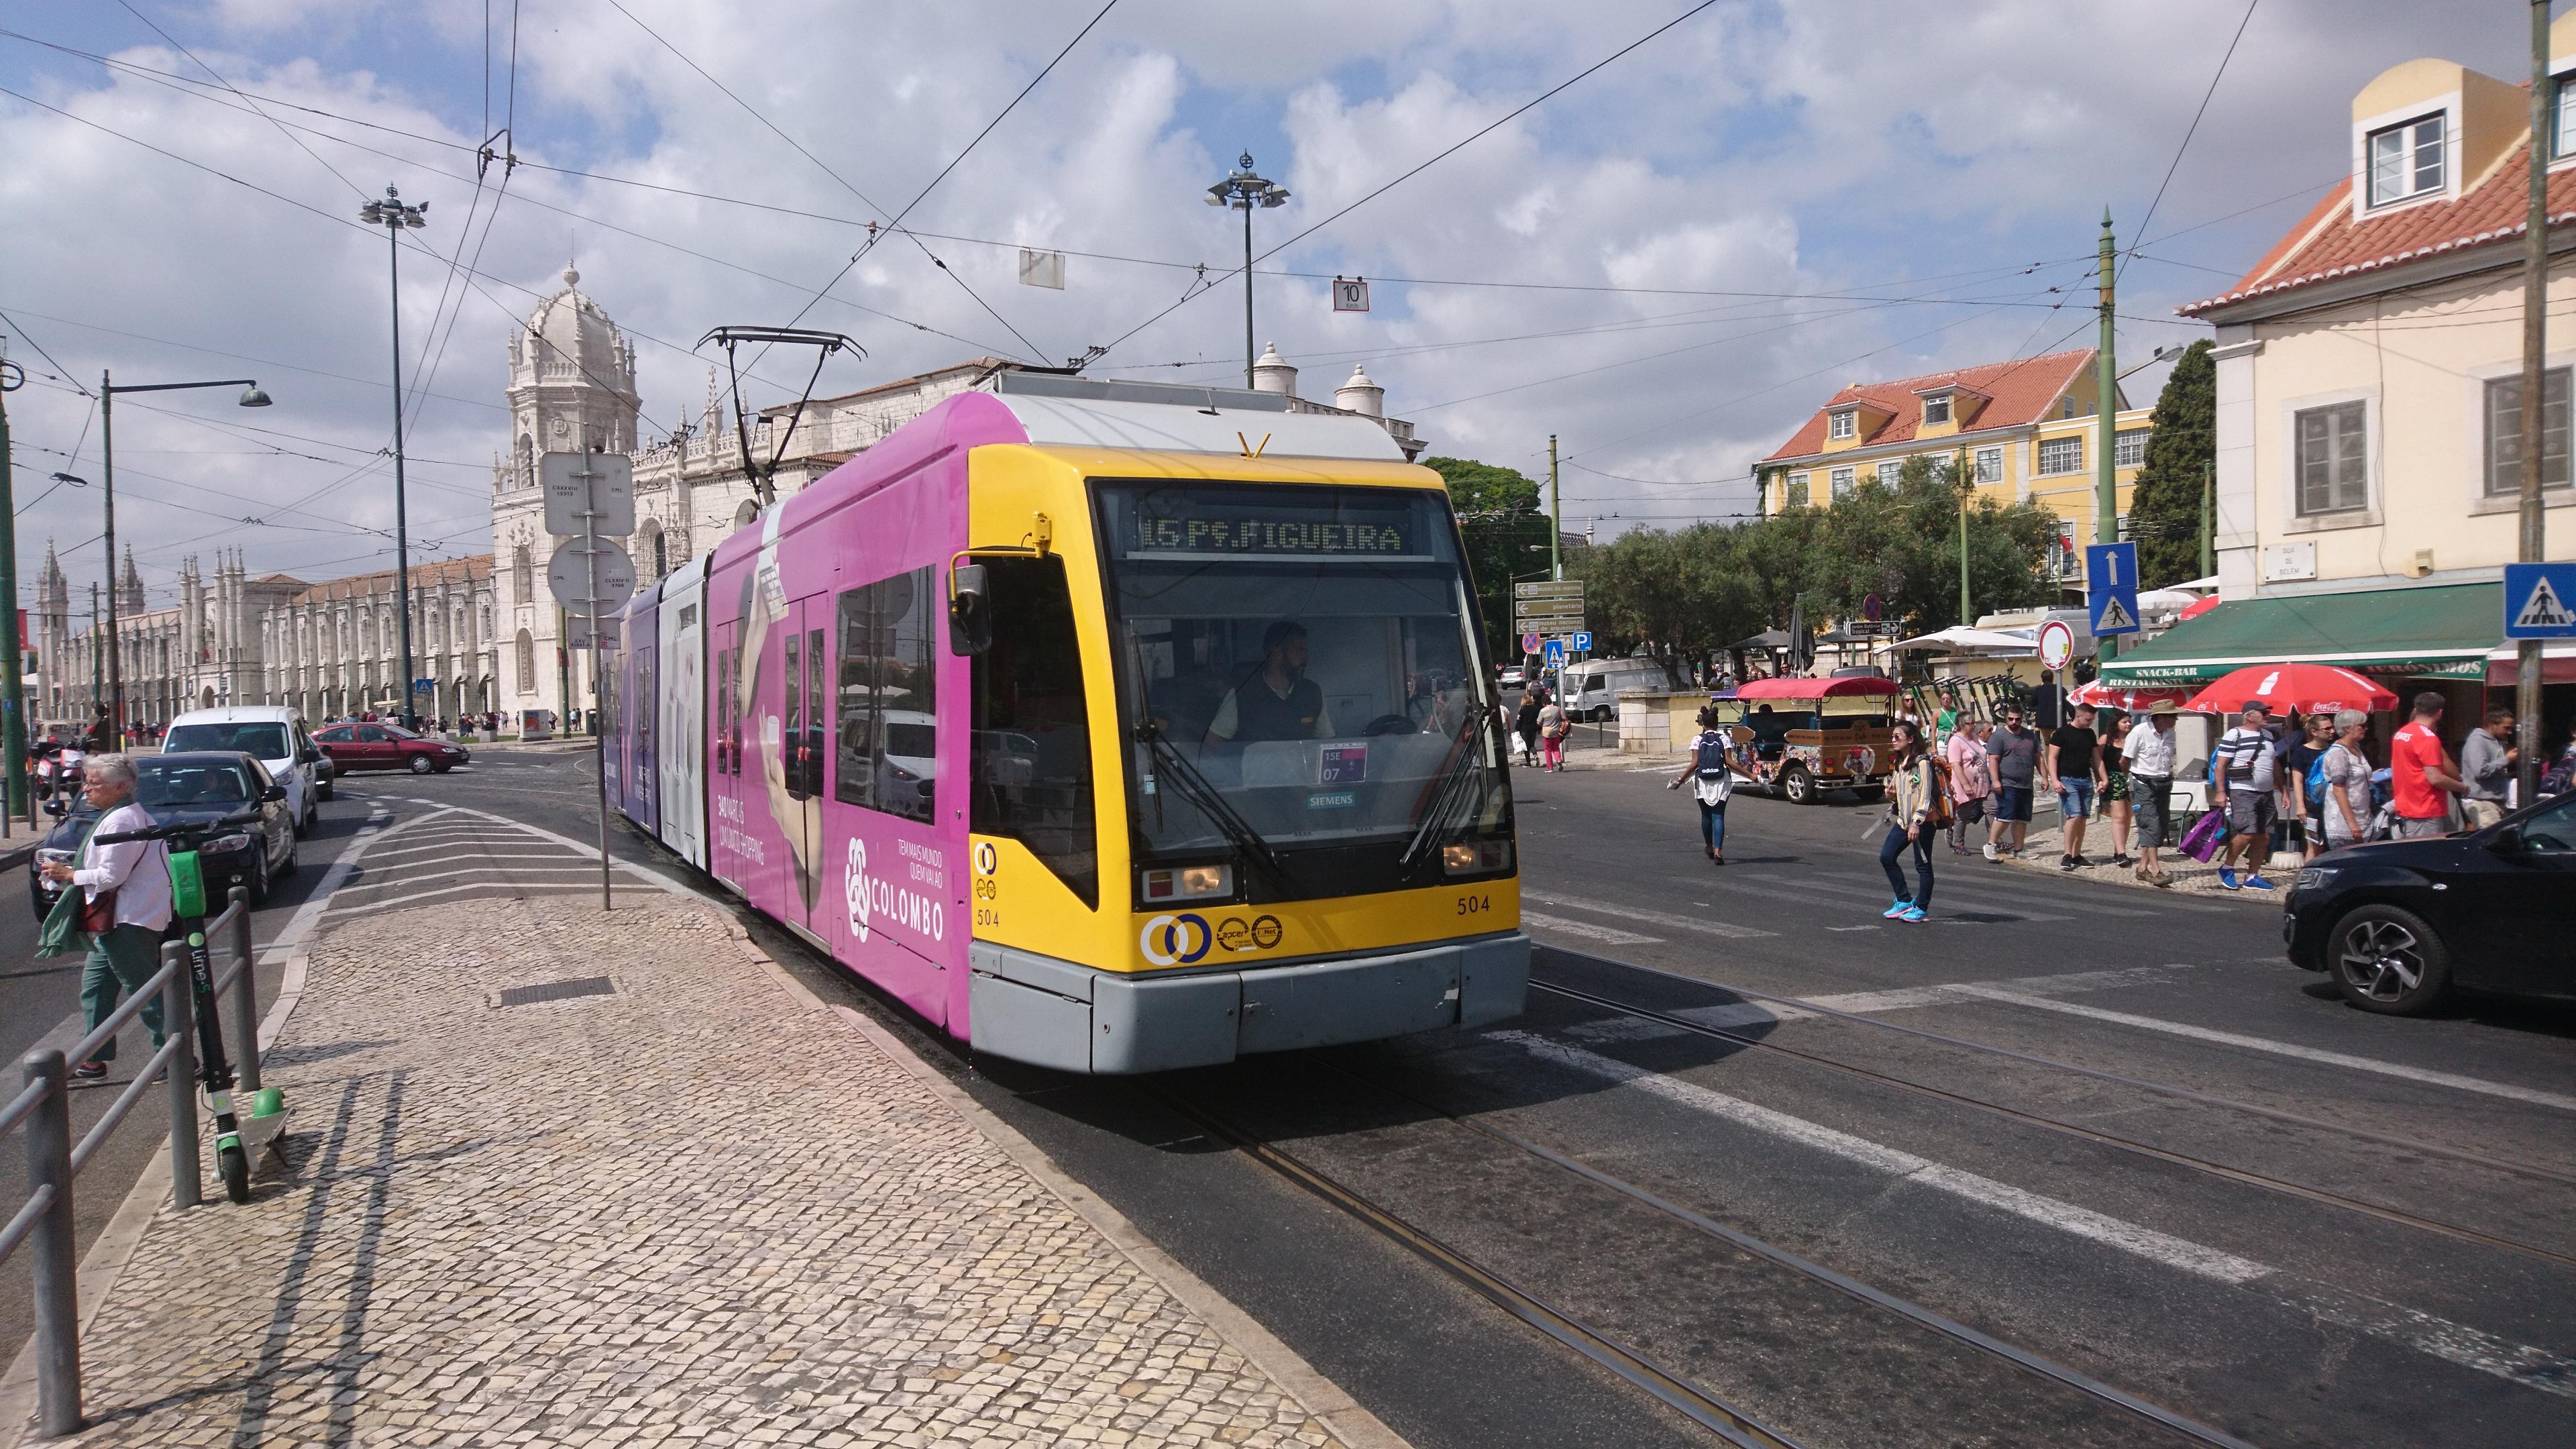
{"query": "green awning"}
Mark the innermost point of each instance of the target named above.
(2442, 631)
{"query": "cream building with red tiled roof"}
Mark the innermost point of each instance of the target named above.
(2025, 430)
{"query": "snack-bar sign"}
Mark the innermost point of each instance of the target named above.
(1266, 535)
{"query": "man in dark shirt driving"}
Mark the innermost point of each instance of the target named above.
(1279, 702)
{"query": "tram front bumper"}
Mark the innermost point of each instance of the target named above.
(1052, 1013)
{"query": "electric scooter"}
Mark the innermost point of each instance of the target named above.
(188, 908)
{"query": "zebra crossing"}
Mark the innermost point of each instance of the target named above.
(449, 853)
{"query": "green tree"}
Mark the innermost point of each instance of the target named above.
(2164, 512)
(1500, 523)
(1902, 544)
(1678, 593)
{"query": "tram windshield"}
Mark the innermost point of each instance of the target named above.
(1297, 668)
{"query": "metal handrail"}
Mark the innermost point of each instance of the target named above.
(44, 1221)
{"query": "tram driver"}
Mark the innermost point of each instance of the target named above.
(1278, 702)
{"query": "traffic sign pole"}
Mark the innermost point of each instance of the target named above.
(598, 677)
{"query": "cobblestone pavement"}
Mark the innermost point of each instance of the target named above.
(692, 1210)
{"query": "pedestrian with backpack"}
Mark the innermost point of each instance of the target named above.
(1712, 779)
(1912, 788)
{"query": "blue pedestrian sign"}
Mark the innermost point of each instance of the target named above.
(2111, 588)
(1582, 643)
(1555, 655)
(2540, 601)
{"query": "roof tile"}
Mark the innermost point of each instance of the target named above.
(2020, 392)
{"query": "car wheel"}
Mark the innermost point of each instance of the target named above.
(2386, 959)
(258, 884)
(420, 765)
(1798, 787)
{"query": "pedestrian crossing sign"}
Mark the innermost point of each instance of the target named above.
(2113, 617)
(2540, 601)
(2111, 587)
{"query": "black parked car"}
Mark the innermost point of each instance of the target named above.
(2399, 923)
(198, 785)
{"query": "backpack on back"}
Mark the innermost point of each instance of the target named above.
(1938, 814)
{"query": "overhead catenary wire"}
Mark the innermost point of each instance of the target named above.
(2192, 129)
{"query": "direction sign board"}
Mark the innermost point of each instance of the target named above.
(580, 633)
(601, 483)
(2111, 588)
(1549, 589)
(1555, 654)
(1582, 643)
(2540, 601)
(1562, 621)
(568, 575)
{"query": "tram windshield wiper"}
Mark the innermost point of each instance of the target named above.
(1197, 789)
(1448, 790)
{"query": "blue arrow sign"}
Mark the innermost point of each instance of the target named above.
(2111, 587)
(1582, 643)
(2540, 601)
(1555, 655)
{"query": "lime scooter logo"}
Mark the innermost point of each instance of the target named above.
(1175, 940)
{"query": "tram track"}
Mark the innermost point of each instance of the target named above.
(2094, 1135)
(1694, 1401)
(2531, 1171)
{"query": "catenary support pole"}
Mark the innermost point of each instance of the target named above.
(13, 696)
(598, 660)
(2208, 519)
(2106, 431)
(2532, 541)
(1555, 515)
(409, 715)
(107, 495)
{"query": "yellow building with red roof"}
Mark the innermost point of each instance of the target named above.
(2025, 430)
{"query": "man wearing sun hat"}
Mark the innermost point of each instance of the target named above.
(2149, 752)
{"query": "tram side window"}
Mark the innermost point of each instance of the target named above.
(885, 716)
(1032, 733)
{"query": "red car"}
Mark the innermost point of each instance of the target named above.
(386, 747)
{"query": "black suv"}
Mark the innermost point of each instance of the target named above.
(199, 785)
(2400, 922)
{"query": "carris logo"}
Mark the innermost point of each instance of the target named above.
(1175, 940)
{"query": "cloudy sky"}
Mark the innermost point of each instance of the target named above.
(1667, 265)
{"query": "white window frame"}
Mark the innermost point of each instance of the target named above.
(1842, 424)
(1796, 493)
(2410, 133)
(1940, 401)
(2562, 116)
(2129, 448)
(1990, 465)
(2367, 512)
(1843, 481)
(1888, 468)
(2075, 441)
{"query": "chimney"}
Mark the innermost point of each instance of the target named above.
(1360, 395)
(1273, 374)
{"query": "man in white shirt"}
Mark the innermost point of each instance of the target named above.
(2149, 753)
(124, 956)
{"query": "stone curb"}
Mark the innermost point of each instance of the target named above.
(18, 855)
(1321, 1397)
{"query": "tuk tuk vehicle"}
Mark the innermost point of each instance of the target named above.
(1796, 738)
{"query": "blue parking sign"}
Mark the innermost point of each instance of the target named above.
(1555, 655)
(2111, 587)
(2540, 601)
(1582, 643)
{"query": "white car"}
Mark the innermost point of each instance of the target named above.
(270, 733)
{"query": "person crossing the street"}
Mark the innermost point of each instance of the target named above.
(1525, 723)
(1553, 722)
(1972, 783)
(1910, 786)
(1712, 780)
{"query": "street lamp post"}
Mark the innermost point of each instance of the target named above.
(1243, 191)
(394, 216)
(108, 389)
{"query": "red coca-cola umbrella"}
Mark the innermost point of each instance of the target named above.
(2304, 688)
(2144, 696)
(2194, 611)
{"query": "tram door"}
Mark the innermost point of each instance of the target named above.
(805, 720)
(726, 712)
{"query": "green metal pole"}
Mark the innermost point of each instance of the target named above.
(1966, 614)
(1555, 515)
(2208, 520)
(13, 699)
(2531, 535)
(2106, 393)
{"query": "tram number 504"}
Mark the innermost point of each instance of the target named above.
(1474, 905)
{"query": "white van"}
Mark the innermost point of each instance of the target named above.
(272, 733)
(1592, 686)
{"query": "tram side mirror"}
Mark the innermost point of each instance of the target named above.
(970, 613)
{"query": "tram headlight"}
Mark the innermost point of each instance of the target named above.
(1474, 857)
(1189, 883)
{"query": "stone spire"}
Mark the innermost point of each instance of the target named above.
(129, 587)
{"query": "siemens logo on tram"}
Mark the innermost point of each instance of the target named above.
(873, 901)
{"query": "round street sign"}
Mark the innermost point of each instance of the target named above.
(568, 575)
(1872, 607)
(2056, 644)
(1529, 643)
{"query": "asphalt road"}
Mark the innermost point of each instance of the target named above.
(2070, 1165)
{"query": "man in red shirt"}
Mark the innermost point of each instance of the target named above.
(2421, 774)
